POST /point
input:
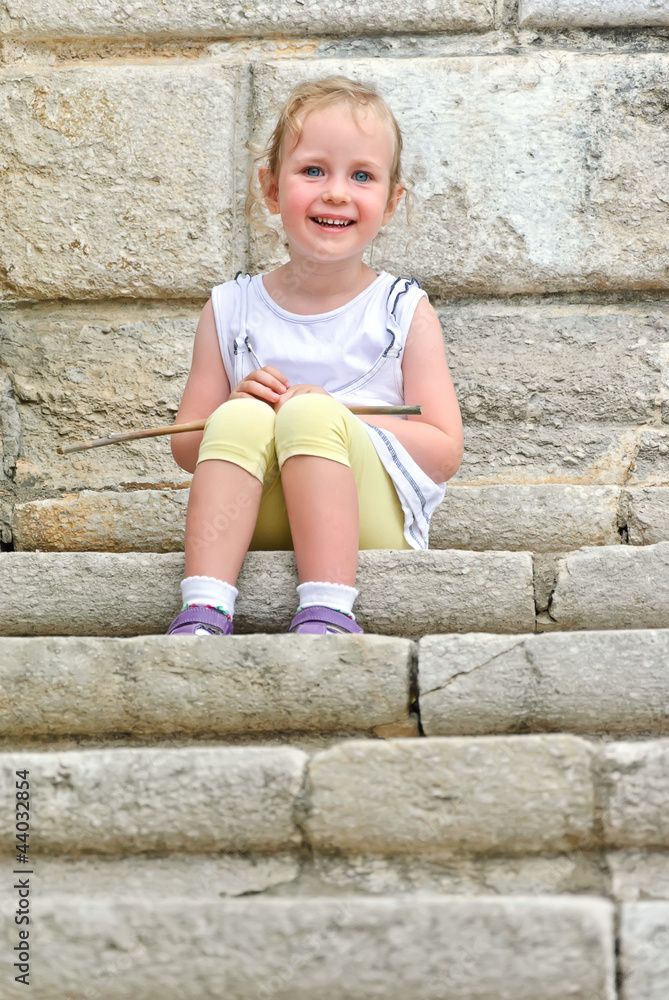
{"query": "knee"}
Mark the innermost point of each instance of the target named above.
(313, 412)
(247, 420)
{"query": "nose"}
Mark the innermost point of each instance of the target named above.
(336, 192)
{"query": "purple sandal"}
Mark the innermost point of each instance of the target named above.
(199, 620)
(319, 620)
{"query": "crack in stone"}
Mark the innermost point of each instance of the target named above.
(267, 890)
(301, 808)
(561, 566)
(548, 609)
(10, 427)
(631, 464)
(601, 788)
(460, 673)
(553, 562)
(414, 688)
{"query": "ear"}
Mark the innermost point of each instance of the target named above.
(270, 189)
(393, 202)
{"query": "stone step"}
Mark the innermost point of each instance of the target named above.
(124, 801)
(538, 518)
(249, 685)
(346, 948)
(621, 875)
(608, 683)
(610, 588)
(644, 951)
(461, 796)
(401, 593)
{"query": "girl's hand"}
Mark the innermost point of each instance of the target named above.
(298, 390)
(267, 384)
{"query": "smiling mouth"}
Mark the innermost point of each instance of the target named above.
(331, 223)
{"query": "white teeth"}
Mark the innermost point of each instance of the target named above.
(332, 222)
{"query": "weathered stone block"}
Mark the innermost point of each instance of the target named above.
(510, 151)
(518, 453)
(157, 878)
(542, 366)
(140, 521)
(635, 779)
(613, 588)
(572, 872)
(646, 515)
(79, 372)
(123, 801)
(346, 948)
(82, 593)
(649, 460)
(120, 180)
(638, 875)
(249, 684)
(596, 682)
(593, 13)
(644, 951)
(227, 18)
(539, 518)
(510, 794)
(562, 406)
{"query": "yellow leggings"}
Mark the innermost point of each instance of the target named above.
(250, 434)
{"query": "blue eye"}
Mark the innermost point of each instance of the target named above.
(361, 175)
(308, 171)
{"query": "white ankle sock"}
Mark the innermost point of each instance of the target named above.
(337, 596)
(207, 590)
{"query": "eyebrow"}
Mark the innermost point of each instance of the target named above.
(315, 157)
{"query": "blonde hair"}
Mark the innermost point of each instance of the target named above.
(305, 98)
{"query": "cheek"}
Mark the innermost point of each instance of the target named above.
(375, 206)
(297, 196)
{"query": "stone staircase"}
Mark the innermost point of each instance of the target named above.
(470, 801)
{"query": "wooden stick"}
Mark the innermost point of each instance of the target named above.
(198, 425)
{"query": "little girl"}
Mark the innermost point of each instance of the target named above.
(278, 357)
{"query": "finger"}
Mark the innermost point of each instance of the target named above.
(266, 378)
(277, 374)
(264, 392)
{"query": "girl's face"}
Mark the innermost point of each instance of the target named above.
(333, 187)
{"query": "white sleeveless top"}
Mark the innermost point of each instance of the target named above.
(353, 352)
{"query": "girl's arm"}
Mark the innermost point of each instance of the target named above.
(434, 439)
(206, 389)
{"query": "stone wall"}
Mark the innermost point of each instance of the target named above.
(538, 138)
